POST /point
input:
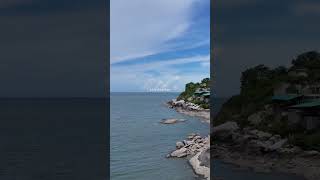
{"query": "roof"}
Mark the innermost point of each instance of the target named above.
(287, 97)
(314, 103)
(201, 92)
(206, 94)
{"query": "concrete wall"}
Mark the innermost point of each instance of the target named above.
(311, 122)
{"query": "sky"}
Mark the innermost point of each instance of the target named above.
(158, 45)
(53, 48)
(252, 32)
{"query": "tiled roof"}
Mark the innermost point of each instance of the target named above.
(285, 97)
(313, 103)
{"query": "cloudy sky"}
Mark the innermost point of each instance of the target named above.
(252, 32)
(158, 45)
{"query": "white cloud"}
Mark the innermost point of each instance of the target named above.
(157, 65)
(142, 27)
(167, 78)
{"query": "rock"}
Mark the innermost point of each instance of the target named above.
(310, 153)
(182, 152)
(228, 126)
(277, 145)
(179, 144)
(293, 150)
(188, 142)
(225, 132)
(263, 135)
(257, 118)
(200, 167)
(268, 109)
(199, 140)
(171, 121)
(260, 134)
(191, 136)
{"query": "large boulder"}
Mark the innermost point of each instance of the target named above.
(199, 166)
(277, 145)
(225, 131)
(171, 121)
(226, 127)
(310, 153)
(182, 152)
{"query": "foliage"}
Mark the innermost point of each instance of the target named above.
(191, 88)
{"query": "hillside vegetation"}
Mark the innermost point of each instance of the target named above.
(191, 88)
(256, 91)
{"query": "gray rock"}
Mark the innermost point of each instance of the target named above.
(310, 153)
(263, 135)
(197, 137)
(293, 150)
(257, 118)
(171, 121)
(277, 145)
(182, 152)
(179, 144)
(228, 126)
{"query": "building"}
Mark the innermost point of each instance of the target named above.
(202, 91)
(202, 94)
(282, 102)
(305, 114)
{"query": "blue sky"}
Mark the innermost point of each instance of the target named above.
(158, 45)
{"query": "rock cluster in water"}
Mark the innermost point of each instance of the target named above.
(190, 109)
(198, 148)
(185, 105)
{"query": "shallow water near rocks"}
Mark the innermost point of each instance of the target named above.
(140, 143)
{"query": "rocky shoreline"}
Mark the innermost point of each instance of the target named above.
(263, 152)
(190, 109)
(195, 147)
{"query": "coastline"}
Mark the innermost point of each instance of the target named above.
(190, 109)
(196, 148)
(252, 149)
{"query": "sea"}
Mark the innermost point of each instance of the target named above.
(139, 143)
(66, 139)
(53, 138)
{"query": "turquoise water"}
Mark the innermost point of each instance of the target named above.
(139, 143)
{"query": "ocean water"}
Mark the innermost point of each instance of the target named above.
(139, 143)
(49, 139)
